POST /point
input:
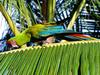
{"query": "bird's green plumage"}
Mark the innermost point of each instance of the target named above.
(25, 36)
(22, 38)
(36, 29)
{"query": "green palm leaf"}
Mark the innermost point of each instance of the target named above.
(70, 58)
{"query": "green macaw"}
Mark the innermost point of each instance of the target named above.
(26, 35)
(36, 31)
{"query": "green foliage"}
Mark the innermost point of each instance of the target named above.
(8, 19)
(74, 58)
(96, 6)
(76, 13)
(22, 7)
(26, 14)
(51, 10)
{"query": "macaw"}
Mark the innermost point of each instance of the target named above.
(36, 31)
(26, 35)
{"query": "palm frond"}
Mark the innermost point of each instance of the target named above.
(9, 20)
(24, 11)
(51, 10)
(72, 58)
(76, 14)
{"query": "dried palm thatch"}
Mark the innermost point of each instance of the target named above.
(72, 58)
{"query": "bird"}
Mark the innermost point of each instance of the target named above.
(25, 36)
(36, 31)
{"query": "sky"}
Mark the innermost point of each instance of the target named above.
(3, 26)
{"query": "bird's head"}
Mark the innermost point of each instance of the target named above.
(12, 43)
